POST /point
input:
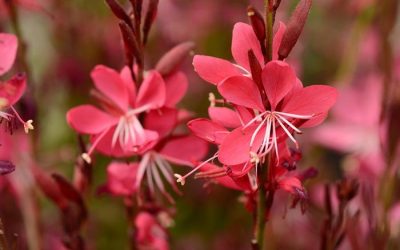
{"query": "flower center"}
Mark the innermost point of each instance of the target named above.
(129, 131)
(269, 121)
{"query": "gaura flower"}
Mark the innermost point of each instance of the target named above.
(11, 90)
(280, 107)
(116, 129)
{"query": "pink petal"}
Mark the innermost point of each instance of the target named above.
(208, 130)
(243, 40)
(314, 99)
(235, 148)
(291, 185)
(224, 116)
(185, 150)
(121, 178)
(214, 70)
(163, 121)
(278, 79)
(8, 51)
(277, 40)
(109, 83)
(126, 77)
(241, 90)
(176, 86)
(87, 119)
(13, 89)
(152, 92)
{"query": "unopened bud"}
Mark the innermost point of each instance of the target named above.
(294, 28)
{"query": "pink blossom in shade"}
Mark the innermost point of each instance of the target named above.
(288, 107)
(13, 89)
(357, 131)
(150, 234)
(115, 129)
(215, 70)
(121, 178)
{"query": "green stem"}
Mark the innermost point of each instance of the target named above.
(261, 202)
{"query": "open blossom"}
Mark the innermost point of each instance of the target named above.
(286, 107)
(116, 129)
(13, 89)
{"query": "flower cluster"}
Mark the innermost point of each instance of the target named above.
(263, 107)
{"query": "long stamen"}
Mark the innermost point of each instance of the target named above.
(288, 133)
(181, 179)
(289, 123)
(257, 118)
(142, 169)
(27, 124)
(253, 137)
(275, 139)
(86, 156)
(295, 116)
(267, 136)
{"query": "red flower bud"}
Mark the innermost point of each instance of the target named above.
(149, 19)
(294, 28)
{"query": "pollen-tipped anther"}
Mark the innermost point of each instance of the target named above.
(28, 126)
(86, 158)
(180, 179)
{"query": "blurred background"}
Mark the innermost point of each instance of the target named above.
(352, 45)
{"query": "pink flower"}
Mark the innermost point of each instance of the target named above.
(279, 106)
(150, 234)
(121, 178)
(11, 90)
(215, 70)
(117, 129)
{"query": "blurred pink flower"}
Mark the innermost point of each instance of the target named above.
(117, 130)
(288, 104)
(150, 234)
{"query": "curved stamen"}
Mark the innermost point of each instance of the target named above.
(288, 133)
(86, 156)
(181, 179)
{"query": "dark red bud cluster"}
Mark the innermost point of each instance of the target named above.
(70, 203)
(294, 28)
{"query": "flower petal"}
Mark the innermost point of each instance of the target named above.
(8, 51)
(87, 119)
(184, 150)
(126, 77)
(109, 83)
(176, 86)
(13, 89)
(310, 100)
(152, 92)
(235, 148)
(242, 91)
(224, 116)
(278, 79)
(121, 178)
(207, 130)
(163, 121)
(243, 40)
(214, 70)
